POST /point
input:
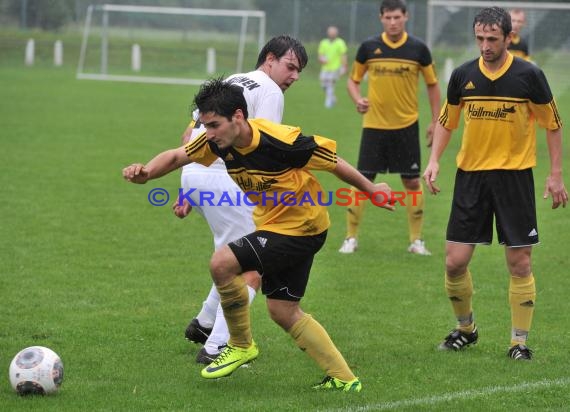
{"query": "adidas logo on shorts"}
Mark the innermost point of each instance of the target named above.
(533, 232)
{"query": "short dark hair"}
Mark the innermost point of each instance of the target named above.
(391, 5)
(279, 45)
(220, 97)
(494, 16)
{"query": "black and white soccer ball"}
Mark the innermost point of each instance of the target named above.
(36, 370)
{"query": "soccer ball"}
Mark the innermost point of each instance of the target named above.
(36, 370)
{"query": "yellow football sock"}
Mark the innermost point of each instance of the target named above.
(312, 338)
(522, 297)
(354, 215)
(415, 209)
(460, 292)
(234, 299)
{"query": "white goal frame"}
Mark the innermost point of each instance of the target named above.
(106, 8)
(468, 3)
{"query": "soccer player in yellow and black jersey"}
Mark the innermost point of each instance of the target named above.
(500, 97)
(390, 135)
(271, 163)
(518, 46)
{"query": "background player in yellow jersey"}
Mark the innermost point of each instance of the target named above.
(272, 162)
(332, 57)
(518, 45)
(390, 134)
(500, 97)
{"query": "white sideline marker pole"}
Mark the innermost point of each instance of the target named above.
(211, 60)
(58, 53)
(136, 58)
(448, 69)
(30, 51)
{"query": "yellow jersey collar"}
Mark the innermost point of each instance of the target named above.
(254, 141)
(498, 73)
(391, 44)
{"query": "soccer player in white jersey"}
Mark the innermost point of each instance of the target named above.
(278, 66)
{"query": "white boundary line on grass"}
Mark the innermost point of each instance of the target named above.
(461, 395)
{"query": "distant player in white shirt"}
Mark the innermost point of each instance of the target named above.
(279, 65)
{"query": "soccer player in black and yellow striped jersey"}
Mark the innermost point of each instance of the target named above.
(390, 140)
(271, 163)
(500, 97)
(518, 45)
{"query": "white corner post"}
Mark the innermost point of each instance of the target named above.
(448, 69)
(30, 52)
(58, 53)
(136, 58)
(211, 60)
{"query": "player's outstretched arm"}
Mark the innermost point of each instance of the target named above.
(159, 166)
(379, 192)
(554, 181)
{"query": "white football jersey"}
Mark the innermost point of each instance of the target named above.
(264, 100)
(230, 222)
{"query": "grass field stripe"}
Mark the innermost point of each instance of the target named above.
(468, 394)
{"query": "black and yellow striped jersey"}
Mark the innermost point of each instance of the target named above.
(274, 174)
(393, 71)
(499, 111)
(519, 47)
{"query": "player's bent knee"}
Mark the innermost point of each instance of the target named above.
(284, 313)
(454, 268)
(412, 184)
(223, 266)
(519, 261)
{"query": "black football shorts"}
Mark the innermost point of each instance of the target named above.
(504, 195)
(283, 261)
(390, 151)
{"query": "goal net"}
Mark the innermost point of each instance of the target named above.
(168, 44)
(449, 33)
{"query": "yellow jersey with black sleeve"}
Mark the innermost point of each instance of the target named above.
(393, 70)
(499, 111)
(274, 174)
(519, 47)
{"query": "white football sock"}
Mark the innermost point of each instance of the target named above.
(220, 334)
(207, 315)
(330, 99)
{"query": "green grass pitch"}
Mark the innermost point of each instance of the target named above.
(90, 269)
